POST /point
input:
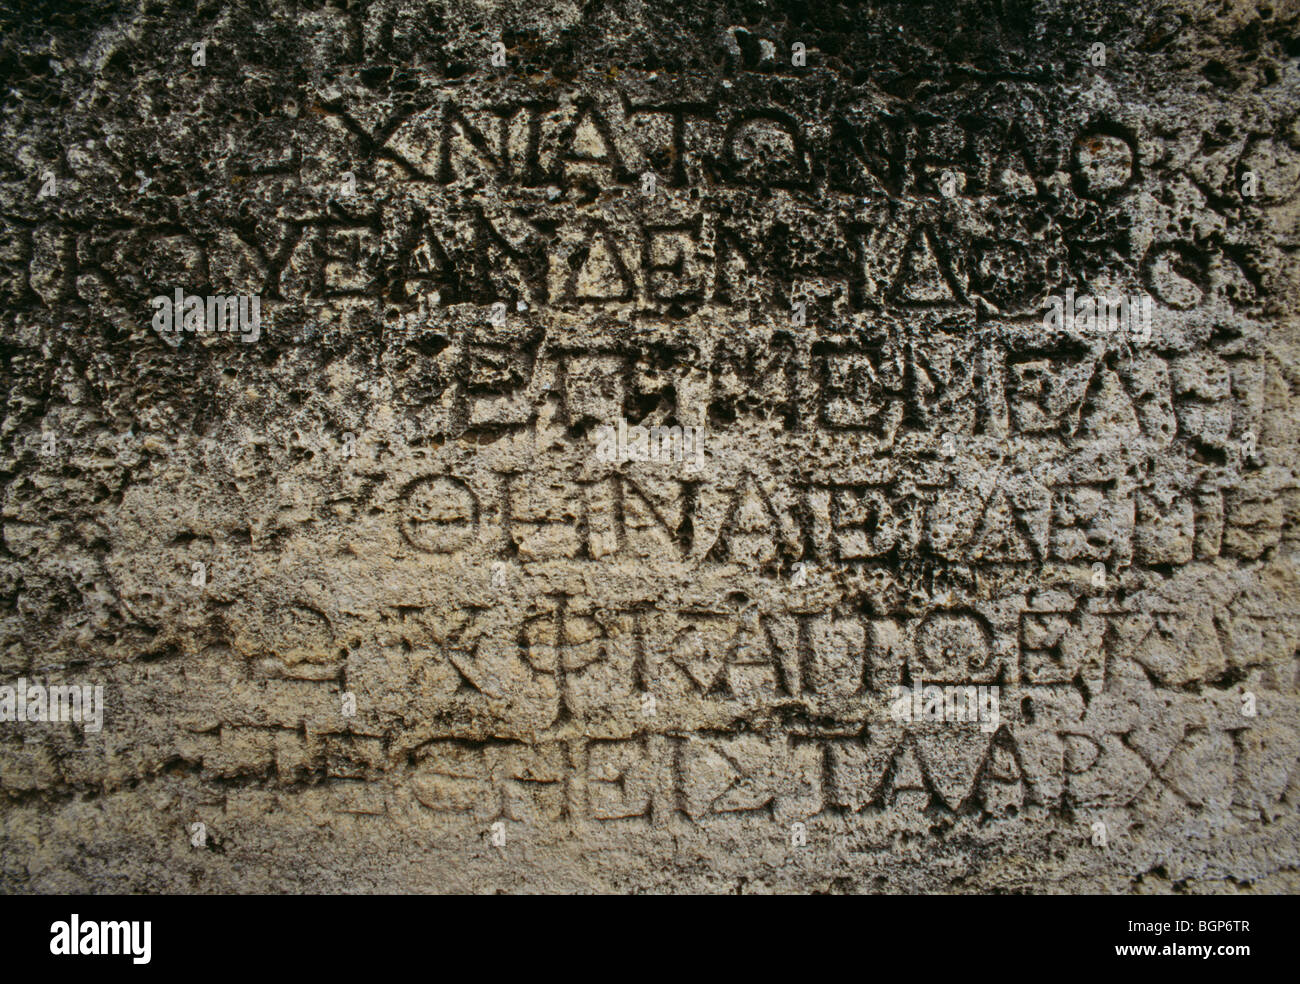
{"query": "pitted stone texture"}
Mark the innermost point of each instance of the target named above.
(440, 641)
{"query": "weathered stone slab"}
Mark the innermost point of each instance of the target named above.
(650, 447)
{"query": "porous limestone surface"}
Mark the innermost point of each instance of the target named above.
(663, 447)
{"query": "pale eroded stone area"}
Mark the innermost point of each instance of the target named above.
(431, 616)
